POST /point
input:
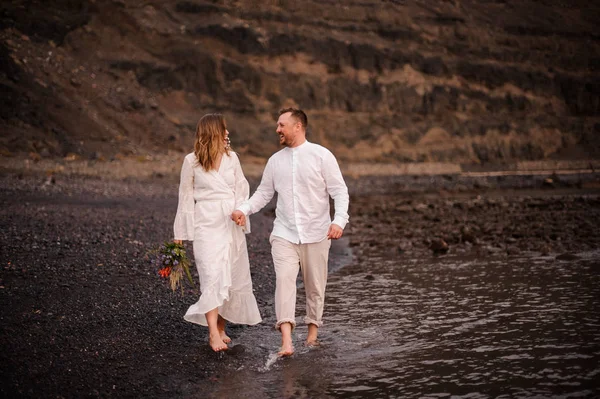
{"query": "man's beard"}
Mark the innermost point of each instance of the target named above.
(283, 141)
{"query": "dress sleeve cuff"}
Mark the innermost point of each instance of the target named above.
(183, 228)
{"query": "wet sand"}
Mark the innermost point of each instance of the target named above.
(83, 313)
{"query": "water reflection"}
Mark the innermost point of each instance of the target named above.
(505, 327)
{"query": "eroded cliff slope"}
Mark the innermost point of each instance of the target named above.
(388, 81)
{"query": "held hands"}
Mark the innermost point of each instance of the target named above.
(334, 232)
(239, 218)
(180, 242)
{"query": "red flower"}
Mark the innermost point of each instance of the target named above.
(166, 272)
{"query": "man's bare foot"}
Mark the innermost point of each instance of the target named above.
(287, 346)
(286, 350)
(216, 343)
(311, 338)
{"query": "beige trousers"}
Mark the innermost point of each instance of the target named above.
(288, 259)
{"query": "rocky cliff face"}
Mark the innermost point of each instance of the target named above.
(388, 81)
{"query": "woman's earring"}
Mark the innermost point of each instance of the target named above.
(227, 143)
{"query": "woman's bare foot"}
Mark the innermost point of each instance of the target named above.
(221, 327)
(224, 337)
(216, 343)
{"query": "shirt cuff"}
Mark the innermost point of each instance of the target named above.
(245, 208)
(340, 222)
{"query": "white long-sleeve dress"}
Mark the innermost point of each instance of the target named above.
(206, 201)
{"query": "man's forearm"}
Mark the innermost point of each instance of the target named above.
(261, 196)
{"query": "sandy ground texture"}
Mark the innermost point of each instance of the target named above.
(84, 314)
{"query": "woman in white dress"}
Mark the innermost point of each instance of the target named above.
(212, 186)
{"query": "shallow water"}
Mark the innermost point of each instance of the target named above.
(435, 328)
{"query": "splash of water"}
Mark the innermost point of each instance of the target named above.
(273, 357)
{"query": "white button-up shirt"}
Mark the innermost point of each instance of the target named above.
(304, 177)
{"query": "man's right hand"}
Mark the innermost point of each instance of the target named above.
(334, 232)
(239, 218)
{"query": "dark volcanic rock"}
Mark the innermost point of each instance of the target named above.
(439, 246)
(567, 257)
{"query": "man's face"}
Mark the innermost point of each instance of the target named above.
(287, 129)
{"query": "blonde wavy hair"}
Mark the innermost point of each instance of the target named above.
(210, 144)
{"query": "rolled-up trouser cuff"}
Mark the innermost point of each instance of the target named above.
(308, 320)
(280, 322)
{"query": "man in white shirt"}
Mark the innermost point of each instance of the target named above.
(304, 175)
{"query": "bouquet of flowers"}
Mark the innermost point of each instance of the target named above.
(173, 263)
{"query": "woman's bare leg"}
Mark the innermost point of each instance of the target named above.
(214, 339)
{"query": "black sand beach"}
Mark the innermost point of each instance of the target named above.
(84, 314)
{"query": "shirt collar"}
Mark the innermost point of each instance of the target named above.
(299, 146)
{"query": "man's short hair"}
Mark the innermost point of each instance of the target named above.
(298, 114)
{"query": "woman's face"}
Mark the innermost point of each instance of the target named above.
(226, 138)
